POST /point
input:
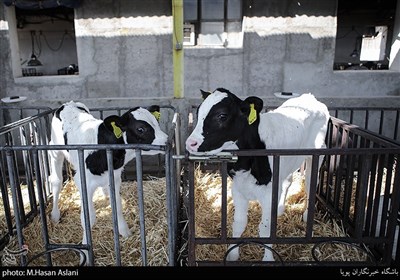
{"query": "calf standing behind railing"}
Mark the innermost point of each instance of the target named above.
(72, 124)
(226, 122)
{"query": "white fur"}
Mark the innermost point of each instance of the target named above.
(82, 128)
(298, 123)
(197, 133)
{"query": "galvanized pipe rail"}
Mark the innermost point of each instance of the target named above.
(32, 150)
(369, 148)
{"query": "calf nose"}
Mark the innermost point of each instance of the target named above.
(191, 145)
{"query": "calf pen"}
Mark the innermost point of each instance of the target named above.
(358, 183)
(353, 216)
(28, 238)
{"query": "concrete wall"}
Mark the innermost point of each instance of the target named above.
(124, 50)
(288, 46)
(124, 53)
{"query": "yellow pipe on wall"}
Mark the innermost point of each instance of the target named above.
(177, 47)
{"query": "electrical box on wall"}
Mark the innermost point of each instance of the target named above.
(373, 47)
(188, 35)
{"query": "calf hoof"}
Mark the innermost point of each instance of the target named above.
(268, 256)
(124, 230)
(84, 260)
(305, 214)
(233, 255)
(55, 216)
(281, 210)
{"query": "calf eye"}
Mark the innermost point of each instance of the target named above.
(140, 130)
(222, 117)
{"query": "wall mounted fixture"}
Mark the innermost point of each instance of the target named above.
(356, 51)
(33, 61)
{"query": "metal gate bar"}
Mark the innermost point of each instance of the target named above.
(367, 154)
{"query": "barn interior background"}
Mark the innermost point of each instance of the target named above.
(126, 53)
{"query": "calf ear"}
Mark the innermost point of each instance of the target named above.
(254, 106)
(155, 111)
(204, 94)
(58, 111)
(115, 125)
(258, 103)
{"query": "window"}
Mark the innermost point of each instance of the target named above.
(213, 22)
(46, 41)
(364, 34)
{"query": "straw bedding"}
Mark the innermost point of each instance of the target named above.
(290, 224)
(208, 205)
(69, 229)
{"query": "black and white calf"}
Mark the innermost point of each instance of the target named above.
(72, 124)
(227, 122)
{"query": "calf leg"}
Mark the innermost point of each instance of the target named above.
(122, 225)
(285, 187)
(106, 191)
(308, 181)
(265, 224)
(92, 212)
(56, 181)
(239, 219)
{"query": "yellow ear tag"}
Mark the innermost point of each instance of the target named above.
(117, 131)
(157, 115)
(252, 115)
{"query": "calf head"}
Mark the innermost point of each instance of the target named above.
(222, 119)
(72, 108)
(137, 126)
